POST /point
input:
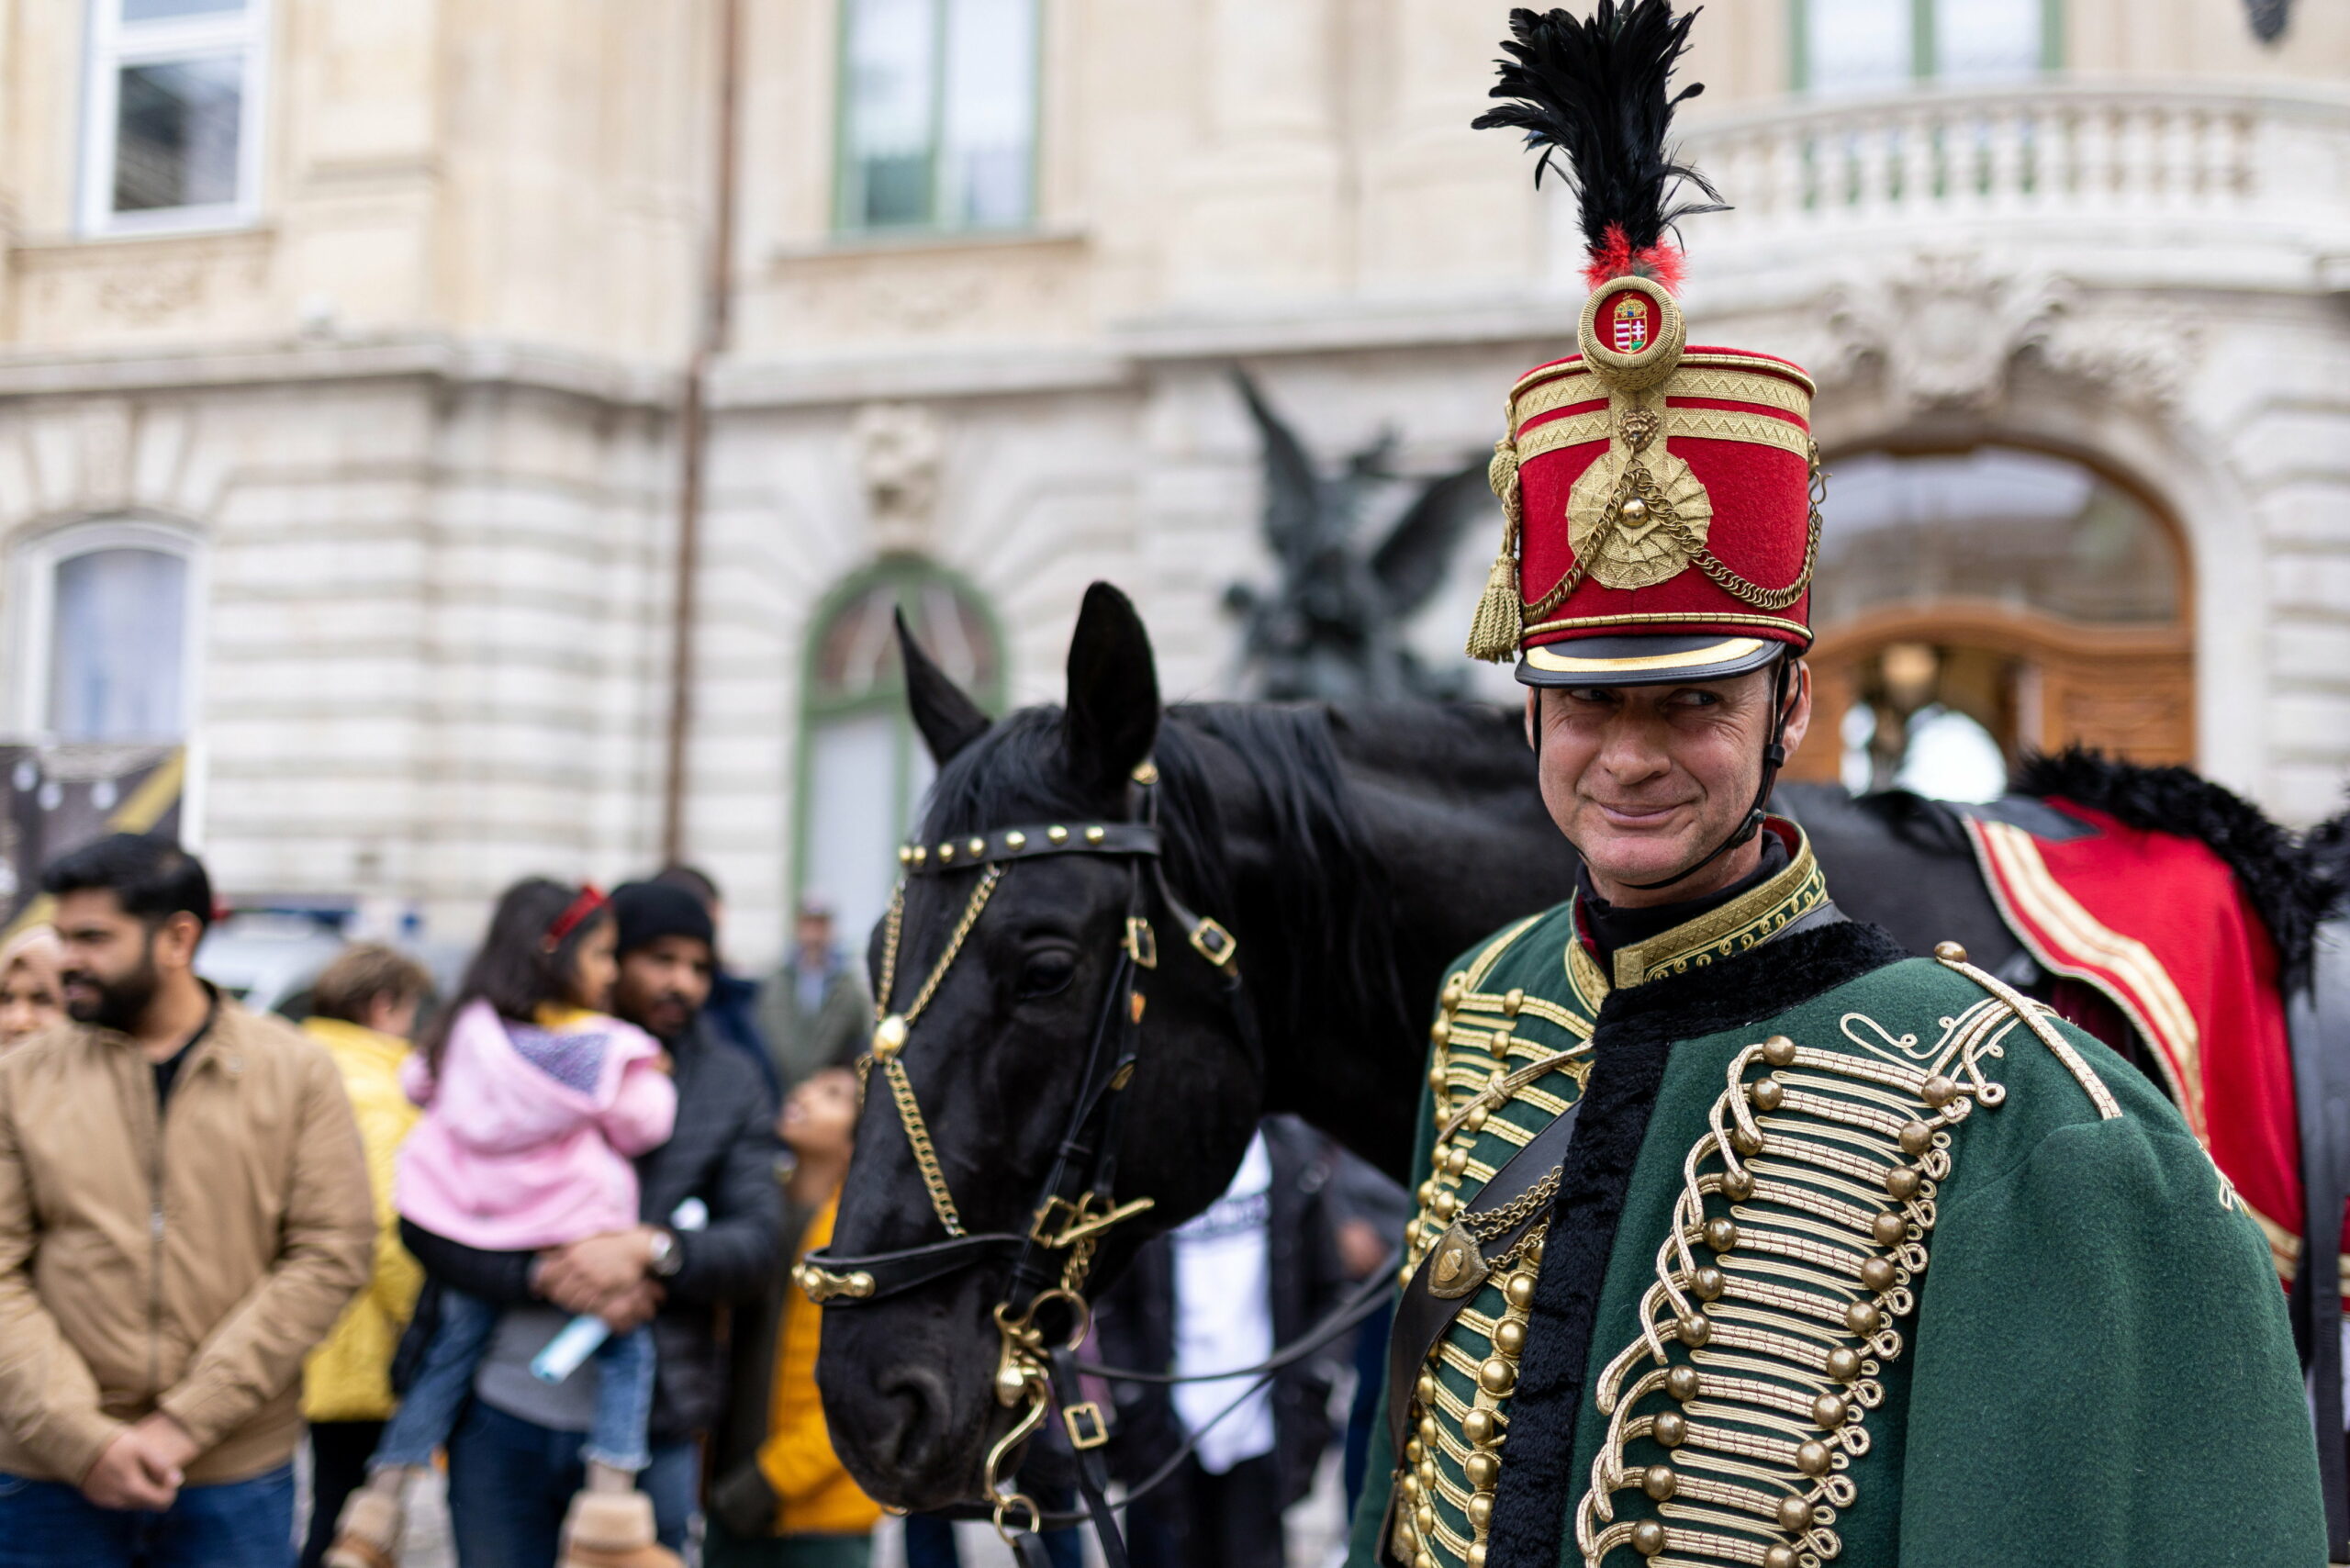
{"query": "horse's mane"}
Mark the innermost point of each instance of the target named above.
(1333, 909)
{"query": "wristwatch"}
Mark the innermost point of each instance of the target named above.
(664, 1259)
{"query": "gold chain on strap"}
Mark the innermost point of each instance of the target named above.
(889, 1037)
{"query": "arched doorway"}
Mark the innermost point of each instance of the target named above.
(862, 768)
(1978, 604)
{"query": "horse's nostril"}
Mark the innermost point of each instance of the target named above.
(915, 1397)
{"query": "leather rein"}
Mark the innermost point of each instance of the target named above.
(1077, 1206)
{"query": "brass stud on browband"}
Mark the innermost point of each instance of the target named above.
(978, 846)
(905, 855)
(1057, 834)
(1016, 841)
(945, 853)
(1094, 835)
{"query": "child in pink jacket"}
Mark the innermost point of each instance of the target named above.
(534, 1103)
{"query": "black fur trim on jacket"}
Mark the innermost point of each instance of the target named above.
(1630, 1047)
(2290, 889)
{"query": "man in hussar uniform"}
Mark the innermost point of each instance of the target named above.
(1693, 1140)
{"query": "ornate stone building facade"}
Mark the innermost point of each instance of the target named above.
(374, 318)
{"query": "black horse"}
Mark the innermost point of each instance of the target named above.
(1351, 851)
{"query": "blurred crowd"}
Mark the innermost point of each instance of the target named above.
(537, 1232)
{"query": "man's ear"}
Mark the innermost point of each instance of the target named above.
(176, 940)
(1798, 708)
(1534, 720)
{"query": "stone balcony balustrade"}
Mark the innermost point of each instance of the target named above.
(2129, 183)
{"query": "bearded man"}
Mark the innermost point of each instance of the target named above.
(1692, 1137)
(183, 1214)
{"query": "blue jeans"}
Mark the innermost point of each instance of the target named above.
(445, 1381)
(511, 1480)
(236, 1524)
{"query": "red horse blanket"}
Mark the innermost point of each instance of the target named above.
(2159, 925)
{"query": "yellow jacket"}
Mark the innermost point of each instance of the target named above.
(815, 1495)
(348, 1377)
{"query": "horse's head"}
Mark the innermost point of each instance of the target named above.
(993, 1058)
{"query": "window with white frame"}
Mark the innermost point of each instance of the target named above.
(938, 113)
(1874, 46)
(105, 633)
(173, 114)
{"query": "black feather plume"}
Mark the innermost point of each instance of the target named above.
(1601, 92)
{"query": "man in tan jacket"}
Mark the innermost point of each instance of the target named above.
(184, 1213)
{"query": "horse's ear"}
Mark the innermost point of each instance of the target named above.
(1113, 690)
(948, 720)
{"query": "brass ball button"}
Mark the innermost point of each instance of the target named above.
(1483, 1469)
(1780, 1556)
(1779, 1051)
(1938, 1091)
(1738, 1184)
(1669, 1427)
(1440, 1031)
(1843, 1363)
(1812, 1458)
(1903, 1181)
(1519, 1290)
(1647, 1538)
(1888, 1229)
(1509, 1337)
(1695, 1329)
(1681, 1383)
(1708, 1283)
(1950, 952)
(889, 1037)
(1659, 1482)
(1496, 1377)
(1794, 1513)
(1480, 1426)
(1480, 1512)
(1878, 1273)
(1768, 1094)
(1916, 1138)
(1830, 1410)
(1721, 1234)
(1864, 1317)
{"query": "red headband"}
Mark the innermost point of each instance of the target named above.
(591, 899)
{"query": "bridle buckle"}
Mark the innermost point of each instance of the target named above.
(1084, 1425)
(1141, 941)
(1214, 943)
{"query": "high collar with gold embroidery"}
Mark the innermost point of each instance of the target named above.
(1748, 920)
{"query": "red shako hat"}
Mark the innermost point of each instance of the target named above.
(1660, 500)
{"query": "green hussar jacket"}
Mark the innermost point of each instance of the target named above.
(1851, 1258)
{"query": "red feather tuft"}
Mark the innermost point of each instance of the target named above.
(1661, 261)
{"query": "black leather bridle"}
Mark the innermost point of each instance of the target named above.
(1076, 1204)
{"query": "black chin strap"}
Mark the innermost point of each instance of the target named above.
(1775, 757)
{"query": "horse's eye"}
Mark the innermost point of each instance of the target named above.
(1045, 973)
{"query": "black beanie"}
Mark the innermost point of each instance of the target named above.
(646, 912)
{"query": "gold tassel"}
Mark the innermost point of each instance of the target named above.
(1500, 618)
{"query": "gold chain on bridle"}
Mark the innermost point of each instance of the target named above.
(889, 1037)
